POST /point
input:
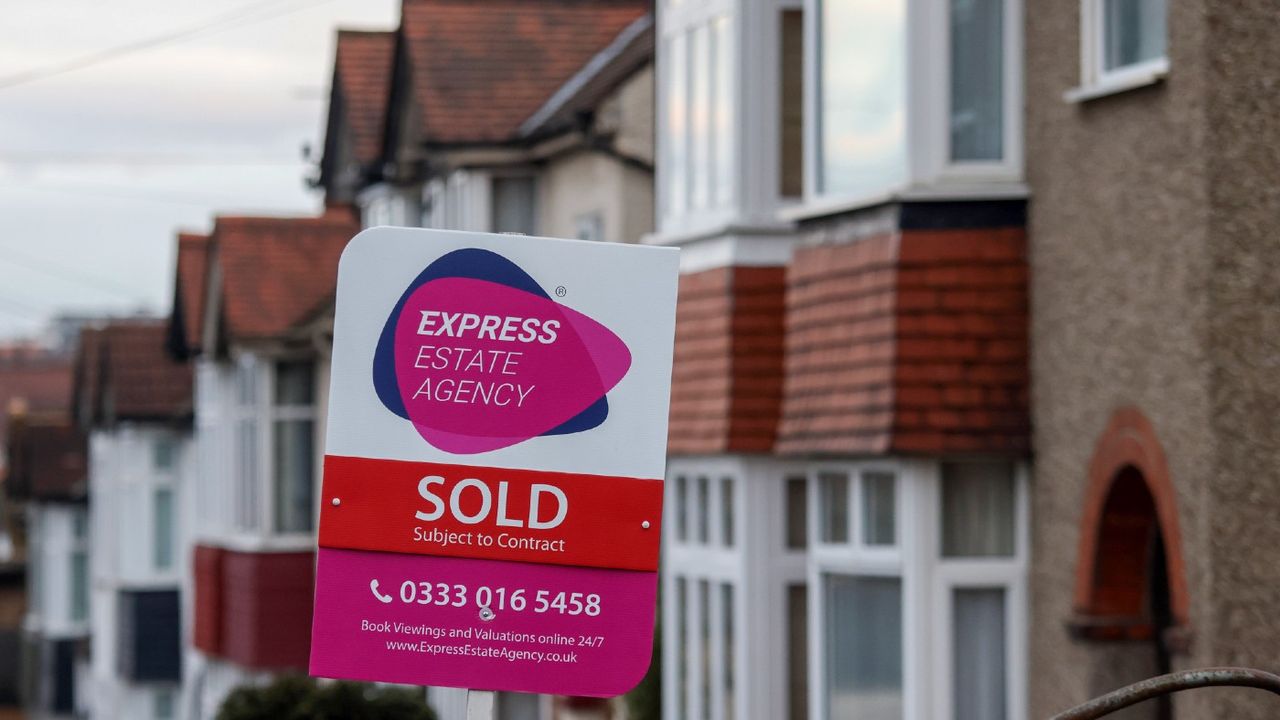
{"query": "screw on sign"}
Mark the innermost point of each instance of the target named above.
(493, 463)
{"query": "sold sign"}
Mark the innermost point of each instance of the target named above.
(492, 500)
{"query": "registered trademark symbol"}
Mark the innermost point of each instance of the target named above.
(561, 292)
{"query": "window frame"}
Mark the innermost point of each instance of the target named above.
(930, 172)
(1095, 79)
(928, 581)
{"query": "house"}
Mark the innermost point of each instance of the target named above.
(48, 480)
(1152, 139)
(33, 381)
(250, 305)
(849, 438)
(134, 402)
(530, 117)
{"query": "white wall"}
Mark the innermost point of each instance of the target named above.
(52, 539)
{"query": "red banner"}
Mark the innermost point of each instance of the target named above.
(490, 513)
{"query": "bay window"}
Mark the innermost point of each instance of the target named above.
(922, 585)
(911, 97)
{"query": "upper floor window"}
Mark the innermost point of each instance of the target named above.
(1123, 44)
(293, 446)
(905, 98)
(696, 130)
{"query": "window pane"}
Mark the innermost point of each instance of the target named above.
(514, 205)
(677, 125)
(293, 475)
(700, 115)
(79, 585)
(978, 654)
(162, 526)
(164, 704)
(163, 453)
(797, 652)
(1134, 31)
(703, 509)
(295, 383)
(726, 609)
(682, 508)
(977, 509)
(862, 122)
(791, 108)
(834, 488)
(246, 500)
(977, 79)
(683, 646)
(864, 647)
(797, 514)
(723, 105)
(726, 511)
(877, 508)
(705, 672)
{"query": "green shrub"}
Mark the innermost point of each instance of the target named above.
(302, 698)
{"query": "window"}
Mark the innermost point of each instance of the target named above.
(247, 503)
(293, 450)
(791, 106)
(589, 226)
(696, 131)
(977, 510)
(878, 509)
(863, 647)
(681, 508)
(514, 205)
(727, 649)
(1123, 44)
(162, 526)
(979, 665)
(726, 511)
(163, 704)
(797, 519)
(703, 508)
(862, 96)
(683, 646)
(706, 671)
(834, 488)
(977, 80)
(79, 567)
(797, 652)
(162, 453)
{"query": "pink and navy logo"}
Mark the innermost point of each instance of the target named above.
(478, 357)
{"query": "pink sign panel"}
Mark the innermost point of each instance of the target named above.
(484, 624)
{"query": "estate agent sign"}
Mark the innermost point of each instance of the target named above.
(496, 438)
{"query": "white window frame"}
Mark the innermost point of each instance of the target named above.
(930, 171)
(677, 23)
(264, 413)
(1095, 79)
(927, 583)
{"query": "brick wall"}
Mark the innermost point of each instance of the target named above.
(726, 384)
(911, 341)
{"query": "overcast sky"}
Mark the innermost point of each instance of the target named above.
(99, 167)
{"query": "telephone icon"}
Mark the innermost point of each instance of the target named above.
(373, 587)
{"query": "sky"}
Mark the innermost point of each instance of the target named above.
(101, 166)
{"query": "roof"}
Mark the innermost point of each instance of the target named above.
(275, 272)
(32, 379)
(630, 50)
(362, 73)
(188, 294)
(480, 68)
(46, 459)
(124, 373)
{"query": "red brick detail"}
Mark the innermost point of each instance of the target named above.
(727, 379)
(1129, 491)
(913, 342)
(266, 609)
(206, 563)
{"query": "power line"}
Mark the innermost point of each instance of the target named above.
(41, 266)
(142, 158)
(251, 13)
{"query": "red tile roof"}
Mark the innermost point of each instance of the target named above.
(277, 272)
(33, 380)
(480, 68)
(46, 459)
(362, 72)
(140, 379)
(189, 289)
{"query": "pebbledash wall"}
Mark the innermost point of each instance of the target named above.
(1154, 259)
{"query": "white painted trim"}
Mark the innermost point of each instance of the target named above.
(1138, 76)
(736, 251)
(1095, 80)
